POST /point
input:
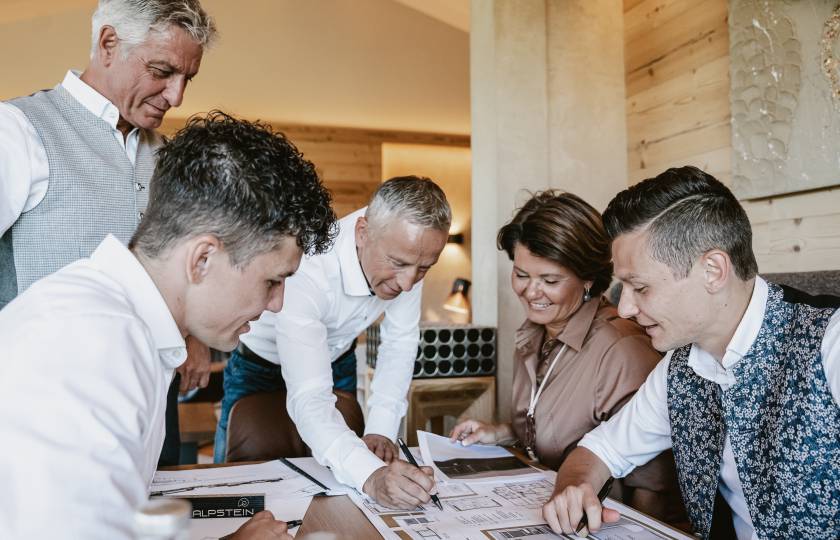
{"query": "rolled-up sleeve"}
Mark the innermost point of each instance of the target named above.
(639, 431)
(400, 333)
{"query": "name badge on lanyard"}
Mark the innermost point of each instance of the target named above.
(530, 423)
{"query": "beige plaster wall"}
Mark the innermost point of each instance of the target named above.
(351, 63)
(548, 111)
(450, 168)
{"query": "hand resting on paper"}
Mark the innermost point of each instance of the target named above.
(575, 495)
(262, 526)
(474, 431)
(382, 446)
(401, 485)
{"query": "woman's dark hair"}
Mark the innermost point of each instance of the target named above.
(565, 229)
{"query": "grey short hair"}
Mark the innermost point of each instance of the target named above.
(134, 19)
(417, 200)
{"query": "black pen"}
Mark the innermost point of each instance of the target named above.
(410, 458)
(294, 523)
(601, 496)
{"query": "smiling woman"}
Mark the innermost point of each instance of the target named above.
(575, 358)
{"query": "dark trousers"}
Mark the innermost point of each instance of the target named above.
(171, 453)
(247, 374)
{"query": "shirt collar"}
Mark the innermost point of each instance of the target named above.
(705, 365)
(91, 100)
(115, 260)
(352, 278)
(530, 334)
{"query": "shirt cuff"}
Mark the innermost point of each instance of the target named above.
(382, 422)
(596, 443)
(357, 468)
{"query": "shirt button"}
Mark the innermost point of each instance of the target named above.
(140, 215)
(139, 187)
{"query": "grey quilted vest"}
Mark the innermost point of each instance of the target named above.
(93, 190)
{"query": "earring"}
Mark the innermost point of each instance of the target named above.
(586, 296)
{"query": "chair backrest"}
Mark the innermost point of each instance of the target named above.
(259, 427)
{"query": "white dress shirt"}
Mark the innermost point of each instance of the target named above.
(642, 428)
(327, 305)
(87, 357)
(24, 170)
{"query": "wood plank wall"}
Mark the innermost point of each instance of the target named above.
(349, 161)
(678, 113)
(677, 86)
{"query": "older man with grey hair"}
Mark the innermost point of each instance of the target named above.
(381, 255)
(75, 161)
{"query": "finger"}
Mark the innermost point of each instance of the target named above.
(380, 452)
(549, 513)
(411, 492)
(388, 454)
(473, 438)
(459, 430)
(263, 516)
(205, 380)
(593, 513)
(565, 516)
(424, 480)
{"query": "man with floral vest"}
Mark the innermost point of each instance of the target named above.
(748, 395)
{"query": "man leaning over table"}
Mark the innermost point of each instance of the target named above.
(376, 266)
(75, 161)
(749, 394)
(232, 207)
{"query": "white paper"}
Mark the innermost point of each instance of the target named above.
(273, 478)
(498, 510)
(322, 474)
(453, 462)
(287, 492)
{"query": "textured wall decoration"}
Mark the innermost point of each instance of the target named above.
(785, 94)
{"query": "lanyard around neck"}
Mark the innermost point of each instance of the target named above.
(536, 393)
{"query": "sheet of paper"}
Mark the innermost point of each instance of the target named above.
(498, 510)
(283, 509)
(477, 462)
(287, 492)
(273, 478)
(322, 474)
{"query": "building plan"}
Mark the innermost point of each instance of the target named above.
(500, 508)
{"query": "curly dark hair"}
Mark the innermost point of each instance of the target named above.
(238, 180)
(564, 229)
(687, 212)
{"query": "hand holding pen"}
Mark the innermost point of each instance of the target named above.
(411, 460)
(605, 490)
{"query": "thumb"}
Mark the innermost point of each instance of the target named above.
(609, 515)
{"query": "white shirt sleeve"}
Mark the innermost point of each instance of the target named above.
(640, 430)
(72, 425)
(307, 371)
(830, 350)
(24, 170)
(400, 333)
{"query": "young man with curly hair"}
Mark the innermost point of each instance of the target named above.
(232, 208)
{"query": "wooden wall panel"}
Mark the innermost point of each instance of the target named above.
(349, 161)
(677, 86)
(678, 113)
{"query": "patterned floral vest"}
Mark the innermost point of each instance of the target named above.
(783, 424)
